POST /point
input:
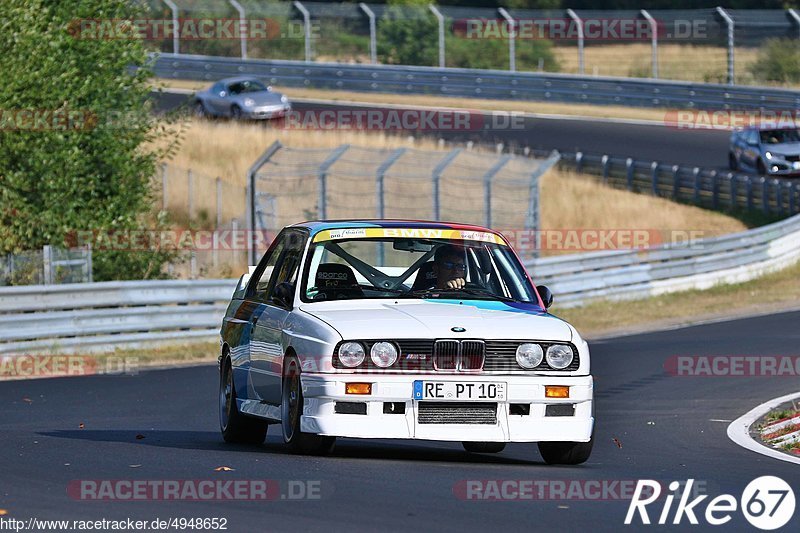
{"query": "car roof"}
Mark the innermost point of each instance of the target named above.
(236, 79)
(315, 226)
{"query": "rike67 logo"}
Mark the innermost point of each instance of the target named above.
(767, 503)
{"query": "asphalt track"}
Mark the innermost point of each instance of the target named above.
(647, 142)
(649, 425)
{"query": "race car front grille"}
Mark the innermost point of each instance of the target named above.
(457, 413)
(451, 354)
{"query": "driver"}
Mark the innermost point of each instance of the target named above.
(450, 267)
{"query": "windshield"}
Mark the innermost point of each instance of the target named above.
(779, 136)
(247, 86)
(391, 268)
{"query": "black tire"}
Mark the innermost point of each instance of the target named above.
(236, 112)
(291, 409)
(235, 426)
(566, 453)
(484, 447)
(733, 164)
(761, 167)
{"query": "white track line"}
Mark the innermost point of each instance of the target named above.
(739, 430)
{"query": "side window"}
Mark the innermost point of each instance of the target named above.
(752, 137)
(281, 263)
(217, 88)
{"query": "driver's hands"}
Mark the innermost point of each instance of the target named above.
(457, 283)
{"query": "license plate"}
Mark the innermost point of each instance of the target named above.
(459, 390)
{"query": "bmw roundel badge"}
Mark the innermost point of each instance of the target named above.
(458, 329)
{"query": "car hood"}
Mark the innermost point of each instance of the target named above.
(414, 319)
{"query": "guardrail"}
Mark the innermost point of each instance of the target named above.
(102, 316)
(107, 315)
(474, 83)
(631, 274)
(711, 188)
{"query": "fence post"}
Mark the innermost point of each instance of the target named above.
(729, 22)
(440, 20)
(604, 162)
(190, 192)
(696, 175)
(734, 192)
(487, 188)
(765, 195)
(629, 173)
(574, 16)
(47, 264)
(436, 177)
(252, 172)
(654, 40)
(512, 39)
(164, 186)
(676, 181)
(322, 202)
(380, 174)
(792, 202)
(89, 265)
(176, 31)
(217, 224)
(306, 26)
(373, 42)
(242, 27)
(533, 221)
(795, 17)
(654, 175)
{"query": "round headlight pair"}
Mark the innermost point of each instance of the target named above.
(383, 354)
(530, 355)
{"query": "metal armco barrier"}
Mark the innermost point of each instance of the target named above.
(473, 83)
(710, 188)
(102, 316)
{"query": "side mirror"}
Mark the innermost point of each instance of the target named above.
(545, 295)
(241, 287)
(283, 295)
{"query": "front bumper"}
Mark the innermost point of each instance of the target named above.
(266, 112)
(321, 392)
(780, 167)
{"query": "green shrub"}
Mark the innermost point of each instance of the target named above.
(778, 61)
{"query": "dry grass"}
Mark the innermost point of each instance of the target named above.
(770, 293)
(708, 64)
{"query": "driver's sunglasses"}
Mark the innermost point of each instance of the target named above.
(449, 265)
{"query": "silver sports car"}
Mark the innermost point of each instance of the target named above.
(241, 98)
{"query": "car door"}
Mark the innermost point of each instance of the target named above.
(267, 341)
(218, 99)
(751, 151)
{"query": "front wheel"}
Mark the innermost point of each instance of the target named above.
(733, 164)
(484, 447)
(292, 409)
(762, 168)
(236, 112)
(566, 453)
(235, 426)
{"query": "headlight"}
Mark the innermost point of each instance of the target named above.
(768, 155)
(351, 354)
(559, 356)
(383, 354)
(249, 102)
(284, 99)
(529, 355)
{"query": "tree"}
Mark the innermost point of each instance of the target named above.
(75, 131)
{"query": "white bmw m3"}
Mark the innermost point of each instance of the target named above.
(405, 330)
